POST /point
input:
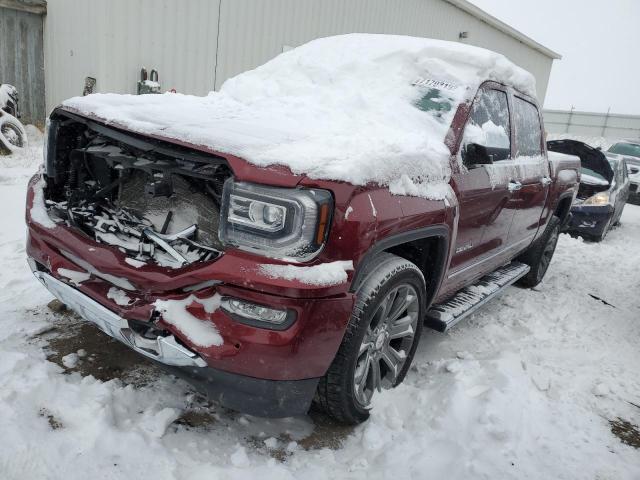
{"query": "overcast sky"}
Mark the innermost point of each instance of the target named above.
(599, 41)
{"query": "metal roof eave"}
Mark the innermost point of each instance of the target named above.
(503, 27)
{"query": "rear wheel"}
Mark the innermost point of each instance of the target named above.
(539, 255)
(380, 341)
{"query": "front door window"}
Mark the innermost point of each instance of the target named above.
(487, 136)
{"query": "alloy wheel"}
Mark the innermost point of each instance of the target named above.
(386, 343)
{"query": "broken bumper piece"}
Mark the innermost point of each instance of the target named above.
(165, 350)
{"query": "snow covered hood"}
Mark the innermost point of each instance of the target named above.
(337, 108)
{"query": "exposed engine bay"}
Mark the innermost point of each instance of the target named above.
(155, 201)
(590, 158)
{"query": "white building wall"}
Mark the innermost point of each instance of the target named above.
(112, 39)
(252, 32)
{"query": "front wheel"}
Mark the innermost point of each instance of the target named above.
(380, 341)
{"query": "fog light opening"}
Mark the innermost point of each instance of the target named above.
(256, 314)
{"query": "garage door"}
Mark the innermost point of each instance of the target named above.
(22, 60)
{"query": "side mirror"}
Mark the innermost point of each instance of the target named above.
(475, 154)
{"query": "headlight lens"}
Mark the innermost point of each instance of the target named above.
(276, 222)
(256, 214)
(601, 198)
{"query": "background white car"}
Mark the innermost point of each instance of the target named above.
(630, 149)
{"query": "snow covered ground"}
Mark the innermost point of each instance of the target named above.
(526, 388)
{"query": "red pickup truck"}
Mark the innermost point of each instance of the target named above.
(270, 284)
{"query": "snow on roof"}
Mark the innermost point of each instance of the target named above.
(358, 108)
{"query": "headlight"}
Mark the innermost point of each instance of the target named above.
(276, 222)
(601, 198)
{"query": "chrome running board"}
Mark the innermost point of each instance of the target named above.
(443, 316)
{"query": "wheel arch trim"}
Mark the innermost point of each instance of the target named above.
(434, 280)
(566, 197)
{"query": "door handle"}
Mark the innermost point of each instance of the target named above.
(546, 181)
(514, 186)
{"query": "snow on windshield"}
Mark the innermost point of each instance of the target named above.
(358, 108)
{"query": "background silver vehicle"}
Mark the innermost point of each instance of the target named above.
(630, 150)
(603, 190)
(13, 136)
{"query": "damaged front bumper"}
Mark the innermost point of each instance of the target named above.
(255, 370)
(161, 349)
(269, 398)
(590, 220)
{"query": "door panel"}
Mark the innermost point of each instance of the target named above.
(486, 213)
(485, 208)
(623, 188)
(530, 199)
(532, 172)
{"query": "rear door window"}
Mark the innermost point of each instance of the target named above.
(489, 126)
(528, 129)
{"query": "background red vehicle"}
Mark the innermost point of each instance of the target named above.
(290, 287)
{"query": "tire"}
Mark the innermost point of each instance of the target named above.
(539, 255)
(367, 345)
(605, 232)
(13, 137)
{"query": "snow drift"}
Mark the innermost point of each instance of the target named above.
(358, 108)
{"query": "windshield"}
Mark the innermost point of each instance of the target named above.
(437, 98)
(630, 149)
(435, 101)
(592, 177)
